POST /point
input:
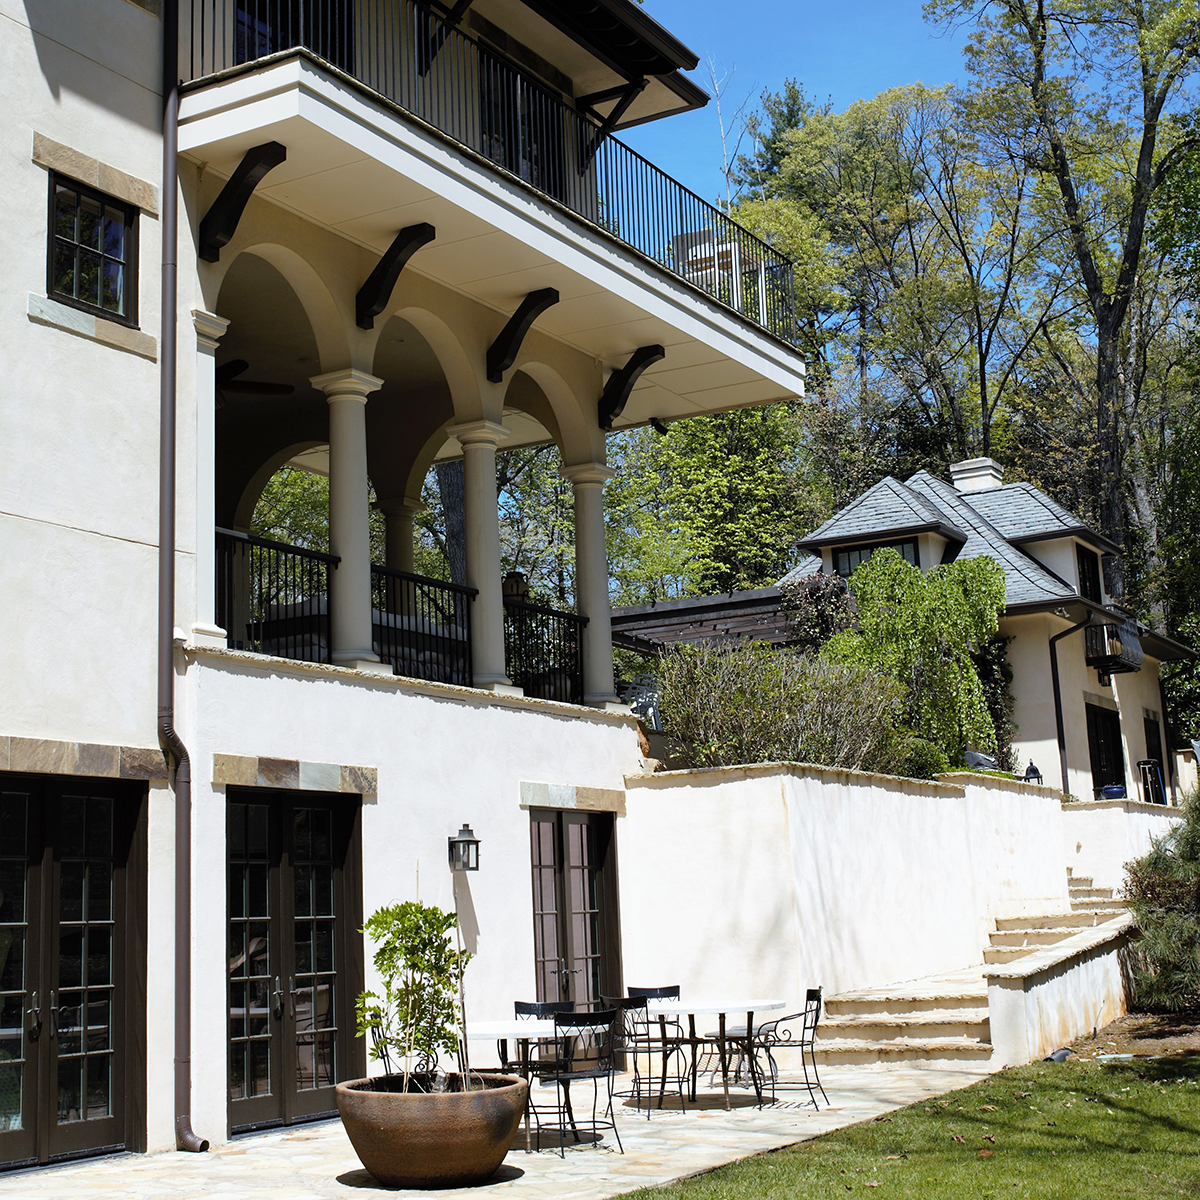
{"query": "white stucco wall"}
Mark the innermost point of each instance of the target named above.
(443, 758)
(1100, 837)
(804, 876)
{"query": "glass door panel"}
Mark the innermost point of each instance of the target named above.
(546, 918)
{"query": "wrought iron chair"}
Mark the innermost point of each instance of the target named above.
(662, 1036)
(587, 1044)
(777, 1033)
(543, 1054)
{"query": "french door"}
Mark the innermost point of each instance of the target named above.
(576, 935)
(67, 920)
(295, 957)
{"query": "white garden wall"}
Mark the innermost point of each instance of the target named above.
(1099, 838)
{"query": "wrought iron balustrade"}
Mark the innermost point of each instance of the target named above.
(422, 626)
(273, 598)
(405, 52)
(543, 650)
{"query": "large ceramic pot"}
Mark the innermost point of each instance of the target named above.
(424, 1139)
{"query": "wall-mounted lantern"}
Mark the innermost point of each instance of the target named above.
(464, 850)
(1032, 774)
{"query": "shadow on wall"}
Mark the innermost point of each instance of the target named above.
(72, 38)
(468, 922)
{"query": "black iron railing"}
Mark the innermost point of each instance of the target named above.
(406, 53)
(543, 650)
(422, 626)
(273, 598)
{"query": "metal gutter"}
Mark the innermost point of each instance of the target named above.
(1058, 711)
(172, 744)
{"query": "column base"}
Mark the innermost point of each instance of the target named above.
(499, 689)
(608, 704)
(212, 636)
(372, 666)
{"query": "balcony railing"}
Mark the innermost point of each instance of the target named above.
(1114, 649)
(422, 626)
(543, 650)
(273, 598)
(406, 53)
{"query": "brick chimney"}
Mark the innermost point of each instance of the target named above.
(977, 474)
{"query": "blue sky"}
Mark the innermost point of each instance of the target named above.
(843, 51)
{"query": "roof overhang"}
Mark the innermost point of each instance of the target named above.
(1076, 609)
(884, 535)
(1082, 532)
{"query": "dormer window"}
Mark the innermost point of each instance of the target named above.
(1089, 574)
(847, 559)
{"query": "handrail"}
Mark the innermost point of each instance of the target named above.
(267, 544)
(544, 610)
(411, 577)
(409, 55)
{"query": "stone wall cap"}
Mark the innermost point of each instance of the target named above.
(696, 776)
(1127, 804)
(1076, 946)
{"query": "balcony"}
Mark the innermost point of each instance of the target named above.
(405, 54)
(275, 599)
(1114, 649)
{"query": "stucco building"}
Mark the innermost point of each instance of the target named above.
(366, 236)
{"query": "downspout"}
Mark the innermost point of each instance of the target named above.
(173, 747)
(1058, 711)
(1167, 749)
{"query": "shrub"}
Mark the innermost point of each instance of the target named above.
(726, 703)
(925, 760)
(817, 606)
(1163, 890)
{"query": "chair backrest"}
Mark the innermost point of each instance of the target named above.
(630, 1010)
(541, 1008)
(658, 993)
(812, 1013)
(588, 1039)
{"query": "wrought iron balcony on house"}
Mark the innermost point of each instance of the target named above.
(275, 599)
(404, 52)
(1114, 649)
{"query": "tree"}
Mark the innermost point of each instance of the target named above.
(923, 630)
(1093, 80)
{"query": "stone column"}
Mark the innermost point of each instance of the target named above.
(209, 330)
(349, 518)
(399, 513)
(479, 440)
(591, 580)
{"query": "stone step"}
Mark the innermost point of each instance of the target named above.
(1045, 936)
(1078, 880)
(1108, 906)
(968, 1023)
(1006, 954)
(1076, 920)
(864, 1050)
(1090, 893)
(903, 1004)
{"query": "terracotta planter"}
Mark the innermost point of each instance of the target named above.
(432, 1139)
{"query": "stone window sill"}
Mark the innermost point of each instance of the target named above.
(96, 329)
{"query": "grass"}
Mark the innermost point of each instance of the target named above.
(1047, 1131)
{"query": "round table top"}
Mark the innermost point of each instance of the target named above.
(513, 1029)
(677, 1008)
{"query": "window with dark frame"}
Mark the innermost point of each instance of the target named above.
(1089, 574)
(92, 252)
(847, 559)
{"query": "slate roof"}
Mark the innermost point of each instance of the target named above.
(888, 508)
(1024, 514)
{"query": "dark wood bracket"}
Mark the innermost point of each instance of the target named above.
(502, 353)
(373, 296)
(429, 50)
(220, 223)
(625, 96)
(620, 384)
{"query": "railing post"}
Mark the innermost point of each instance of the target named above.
(591, 580)
(479, 440)
(209, 330)
(349, 518)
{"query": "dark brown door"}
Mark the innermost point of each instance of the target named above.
(294, 956)
(64, 963)
(576, 931)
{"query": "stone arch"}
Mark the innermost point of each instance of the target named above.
(579, 439)
(244, 512)
(457, 367)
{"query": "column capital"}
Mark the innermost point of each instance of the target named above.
(210, 328)
(400, 506)
(479, 433)
(347, 384)
(585, 473)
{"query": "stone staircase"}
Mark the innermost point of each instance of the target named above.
(942, 1020)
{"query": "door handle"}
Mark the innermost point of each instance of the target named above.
(277, 1007)
(35, 1025)
(53, 1015)
(292, 994)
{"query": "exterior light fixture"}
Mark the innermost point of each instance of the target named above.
(464, 850)
(515, 587)
(1032, 774)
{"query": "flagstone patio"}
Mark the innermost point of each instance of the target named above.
(318, 1161)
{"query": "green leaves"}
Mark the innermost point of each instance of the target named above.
(421, 971)
(922, 630)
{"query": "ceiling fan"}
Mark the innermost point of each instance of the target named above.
(227, 381)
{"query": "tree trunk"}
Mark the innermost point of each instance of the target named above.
(452, 487)
(1108, 407)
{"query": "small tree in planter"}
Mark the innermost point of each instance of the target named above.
(406, 1131)
(419, 1012)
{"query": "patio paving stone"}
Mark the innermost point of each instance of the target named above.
(317, 1161)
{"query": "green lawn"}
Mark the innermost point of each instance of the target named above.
(1045, 1131)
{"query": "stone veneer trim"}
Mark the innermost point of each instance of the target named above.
(97, 760)
(76, 165)
(569, 795)
(290, 774)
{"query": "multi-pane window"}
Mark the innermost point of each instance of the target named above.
(845, 561)
(92, 259)
(1089, 574)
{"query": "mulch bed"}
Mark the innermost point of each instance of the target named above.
(1145, 1035)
